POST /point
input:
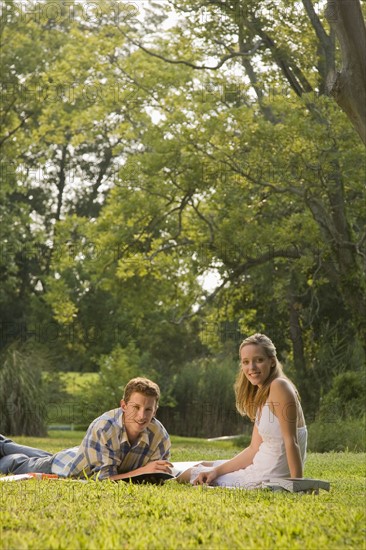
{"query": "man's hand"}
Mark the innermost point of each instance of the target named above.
(156, 466)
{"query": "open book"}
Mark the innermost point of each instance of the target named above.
(157, 478)
(22, 477)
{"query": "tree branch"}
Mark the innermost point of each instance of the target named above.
(316, 23)
(279, 58)
(61, 181)
(12, 132)
(236, 273)
(188, 63)
(209, 224)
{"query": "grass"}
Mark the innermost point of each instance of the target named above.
(76, 382)
(57, 515)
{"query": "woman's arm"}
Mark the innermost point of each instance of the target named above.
(240, 461)
(244, 458)
(283, 400)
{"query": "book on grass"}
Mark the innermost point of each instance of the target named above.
(32, 475)
(157, 478)
(37, 475)
(296, 485)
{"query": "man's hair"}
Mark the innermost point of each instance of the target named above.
(141, 385)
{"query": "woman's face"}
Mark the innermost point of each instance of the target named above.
(256, 364)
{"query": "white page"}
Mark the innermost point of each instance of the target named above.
(16, 477)
(180, 467)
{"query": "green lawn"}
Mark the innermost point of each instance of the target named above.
(106, 515)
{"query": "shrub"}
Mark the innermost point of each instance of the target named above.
(346, 399)
(116, 369)
(22, 405)
(205, 400)
(341, 435)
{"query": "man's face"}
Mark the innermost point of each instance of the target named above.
(138, 412)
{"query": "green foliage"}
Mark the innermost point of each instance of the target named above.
(106, 390)
(346, 399)
(55, 389)
(127, 180)
(341, 422)
(116, 370)
(48, 514)
(75, 383)
(205, 400)
(66, 404)
(337, 352)
(22, 399)
(338, 435)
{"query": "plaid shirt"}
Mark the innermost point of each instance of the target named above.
(105, 450)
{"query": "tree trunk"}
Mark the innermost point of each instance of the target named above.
(302, 375)
(348, 87)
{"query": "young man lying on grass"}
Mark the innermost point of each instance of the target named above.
(120, 442)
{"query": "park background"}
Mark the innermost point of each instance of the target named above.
(175, 177)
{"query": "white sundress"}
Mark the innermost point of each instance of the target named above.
(270, 461)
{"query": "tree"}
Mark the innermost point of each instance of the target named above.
(71, 115)
(348, 87)
(219, 155)
(253, 31)
(316, 177)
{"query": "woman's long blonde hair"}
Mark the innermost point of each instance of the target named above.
(250, 398)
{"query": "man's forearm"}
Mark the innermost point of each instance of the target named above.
(126, 475)
(153, 467)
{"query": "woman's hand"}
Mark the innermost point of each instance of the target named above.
(205, 478)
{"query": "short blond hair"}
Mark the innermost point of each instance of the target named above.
(141, 385)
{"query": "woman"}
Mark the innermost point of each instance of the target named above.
(278, 444)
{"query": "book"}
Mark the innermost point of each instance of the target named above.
(292, 485)
(158, 478)
(296, 485)
(32, 475)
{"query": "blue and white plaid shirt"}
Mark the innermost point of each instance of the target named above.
(105, 450)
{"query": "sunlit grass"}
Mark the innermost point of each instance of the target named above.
(56, 515)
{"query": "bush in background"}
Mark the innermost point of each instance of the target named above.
(341, 422)
(342, 435)
(106, 390)
(22, 396)
(346, 399)
(205, 400)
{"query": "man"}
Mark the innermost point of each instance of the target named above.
(121, 442)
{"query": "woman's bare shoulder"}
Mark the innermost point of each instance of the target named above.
(283, 391)
(282, 386)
